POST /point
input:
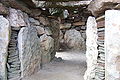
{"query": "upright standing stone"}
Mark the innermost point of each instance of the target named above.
(4, 41)
(29, 51)
(92, 52)
(112, 44)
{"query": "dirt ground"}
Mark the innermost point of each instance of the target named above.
(72, 67)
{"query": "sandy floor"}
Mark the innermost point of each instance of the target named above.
(72, 67)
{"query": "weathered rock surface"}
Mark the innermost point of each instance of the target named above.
(44, 20)
(47, 47)
(4, 41)
(112, 44)
(3, 9)
(55, 28)
(92, 52)
(16, 18)
(99, 6)
(29, 51)
(74, 40)
(65, 26)
(48, 31)
(34, 22)
(40, 30)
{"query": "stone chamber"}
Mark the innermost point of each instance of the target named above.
(34, 33)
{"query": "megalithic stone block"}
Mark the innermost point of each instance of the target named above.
(112, 44)
(91, 46)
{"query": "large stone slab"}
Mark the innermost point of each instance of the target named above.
(112, 44)
(4, 41)
(29, 51)
(91, 45)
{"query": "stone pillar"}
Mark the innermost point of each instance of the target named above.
(29, 51)
(4, 41)
(112, 44)
(91, 52)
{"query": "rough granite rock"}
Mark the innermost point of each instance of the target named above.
(74, 40)
(47, 47)
(4, 41)
(40, 30)
(91, 46)
(34, 22)
(112, 44)
(16, 18)
(29, 51)
(98, 7)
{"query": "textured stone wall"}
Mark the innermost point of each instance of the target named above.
(112, 44)
(92, 51)
(4, 41)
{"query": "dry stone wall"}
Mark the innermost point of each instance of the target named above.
(100, 69)
(26, 43)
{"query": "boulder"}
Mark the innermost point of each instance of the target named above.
(29, 51)
(40, 30)
(47, 47)
(74, 40)
(4, 41)
(16, 18)
(98, 7)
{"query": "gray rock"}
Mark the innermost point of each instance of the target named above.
(34, 22)
(47, 47)
(74, 40)
(4, 40)
(40, 30)
(16, 18)
(29, 51)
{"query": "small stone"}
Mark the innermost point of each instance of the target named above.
(34, 22)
